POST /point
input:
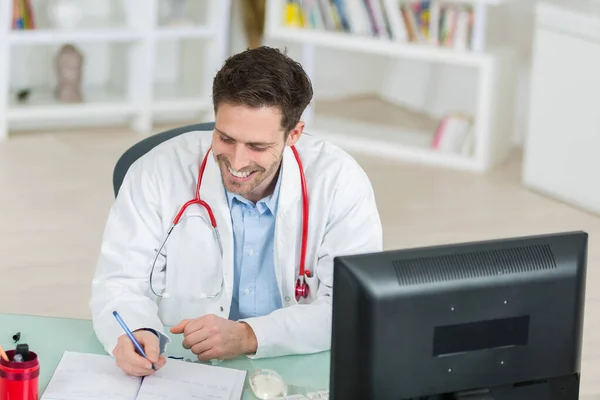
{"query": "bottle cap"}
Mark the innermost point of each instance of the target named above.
(23, 350)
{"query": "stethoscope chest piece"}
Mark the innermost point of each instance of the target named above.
(302, 287)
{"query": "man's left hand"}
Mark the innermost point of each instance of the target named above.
(211, 337)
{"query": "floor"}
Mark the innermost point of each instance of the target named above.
(55, 191)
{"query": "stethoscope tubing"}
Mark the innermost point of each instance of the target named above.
(301, 286)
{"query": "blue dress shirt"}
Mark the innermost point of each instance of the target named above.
(255, 289)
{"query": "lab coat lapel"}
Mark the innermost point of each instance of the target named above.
(212, 191)
(288, 226)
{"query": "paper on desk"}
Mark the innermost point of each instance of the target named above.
(183, 380)
(81, 376)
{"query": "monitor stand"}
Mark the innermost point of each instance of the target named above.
(559, 388)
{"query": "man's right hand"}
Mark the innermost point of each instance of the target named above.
(133, 363)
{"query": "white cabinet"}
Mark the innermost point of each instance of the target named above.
(137, 68)
(491, 67)
(562, 148)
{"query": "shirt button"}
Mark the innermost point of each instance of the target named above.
(251, 252)
(287, 298)
(247, 292)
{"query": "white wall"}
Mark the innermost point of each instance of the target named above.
(520, 17)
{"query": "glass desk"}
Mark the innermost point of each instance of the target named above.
(50, 337)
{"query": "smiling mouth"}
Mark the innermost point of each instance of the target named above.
(240, 176)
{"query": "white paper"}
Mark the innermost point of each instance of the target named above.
(82, 376)
(90, 377)
(183, 380)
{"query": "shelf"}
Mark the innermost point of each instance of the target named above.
(42, 105)
(368, 125)
(50, 36)
(474, 136)
(175, 98)
(193, 13)
(385, 47)
(139, 65)
(184, 32)
(355, 142)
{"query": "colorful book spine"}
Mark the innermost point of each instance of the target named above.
(22, 16)
(444, 23)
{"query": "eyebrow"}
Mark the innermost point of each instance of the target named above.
(250, 143)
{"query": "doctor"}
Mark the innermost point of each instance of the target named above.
(232, 281)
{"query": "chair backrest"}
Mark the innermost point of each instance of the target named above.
(144, 146)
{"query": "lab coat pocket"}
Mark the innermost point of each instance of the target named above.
(194, 270)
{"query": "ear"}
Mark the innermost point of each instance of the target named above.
(295, 134)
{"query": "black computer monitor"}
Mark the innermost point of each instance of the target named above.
(499, 319)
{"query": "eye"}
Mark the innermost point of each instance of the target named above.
(226, 139)
(258, 148)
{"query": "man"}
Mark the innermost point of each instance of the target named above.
(233, 293)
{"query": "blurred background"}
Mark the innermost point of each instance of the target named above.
(474, 119)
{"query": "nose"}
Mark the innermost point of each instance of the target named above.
(239, 158)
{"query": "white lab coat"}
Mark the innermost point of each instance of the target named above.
(343, 219)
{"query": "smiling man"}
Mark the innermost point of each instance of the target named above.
(251, 174)
(248, 270)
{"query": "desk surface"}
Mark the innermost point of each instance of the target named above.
(50, 337)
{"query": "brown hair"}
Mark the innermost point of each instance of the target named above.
(264, 76)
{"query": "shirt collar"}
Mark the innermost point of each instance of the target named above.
(267, 203)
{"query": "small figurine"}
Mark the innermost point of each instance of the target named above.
(69, 63)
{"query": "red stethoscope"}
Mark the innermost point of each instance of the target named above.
(301, 285)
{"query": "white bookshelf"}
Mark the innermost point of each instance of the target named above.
(134, 37)
(495, 89)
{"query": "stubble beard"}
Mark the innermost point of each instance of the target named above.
(245, 188)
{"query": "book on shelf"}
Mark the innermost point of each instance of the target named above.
(435, 22)
(22, 17)
(455, 134)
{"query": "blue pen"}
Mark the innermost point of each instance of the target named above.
(133, 340)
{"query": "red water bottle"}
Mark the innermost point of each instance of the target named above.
(19, 379)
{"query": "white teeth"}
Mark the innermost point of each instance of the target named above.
(238, 174)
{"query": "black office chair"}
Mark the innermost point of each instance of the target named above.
(141, 148)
